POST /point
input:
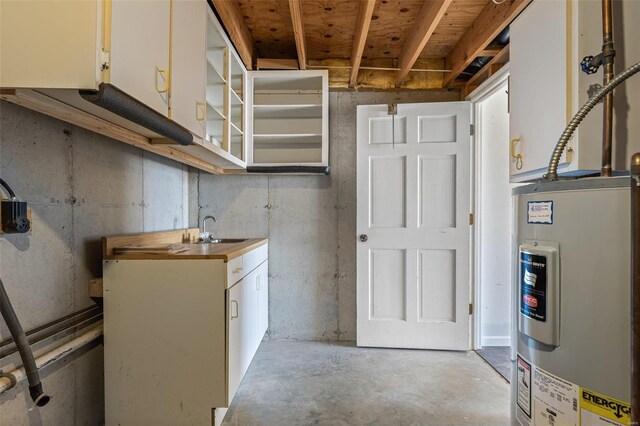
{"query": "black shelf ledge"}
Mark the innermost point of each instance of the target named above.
(319, 170)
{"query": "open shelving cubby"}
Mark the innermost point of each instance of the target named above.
(217, 52)
(289, 118)
(236, 108)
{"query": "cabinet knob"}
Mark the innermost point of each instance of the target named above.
(364, 238)
(236, 270)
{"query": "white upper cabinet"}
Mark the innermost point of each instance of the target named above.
(546, 88)
(289, 122)
(189, 65)
(140, 33)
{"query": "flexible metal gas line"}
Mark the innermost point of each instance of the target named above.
(552, 172)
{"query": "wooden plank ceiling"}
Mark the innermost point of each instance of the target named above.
(350, 37)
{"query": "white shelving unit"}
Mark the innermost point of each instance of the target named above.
(224, 103)
(289, 118)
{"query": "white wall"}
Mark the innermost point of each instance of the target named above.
(494, 219)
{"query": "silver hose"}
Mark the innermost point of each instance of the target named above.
(552, 172)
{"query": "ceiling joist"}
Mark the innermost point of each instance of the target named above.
(492, 20)
(231, 16)
(295, 7)
(430, 15)
(360, 38)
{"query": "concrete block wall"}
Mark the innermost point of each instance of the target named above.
(311, 224)
(80, 186)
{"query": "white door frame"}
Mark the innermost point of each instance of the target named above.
(485, 90)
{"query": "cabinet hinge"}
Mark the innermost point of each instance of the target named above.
(105, 59)
(470, 308)
(471, 219)
(471, 129)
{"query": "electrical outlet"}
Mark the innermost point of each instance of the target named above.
(14, 217)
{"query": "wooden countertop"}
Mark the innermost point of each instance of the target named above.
(224, 251)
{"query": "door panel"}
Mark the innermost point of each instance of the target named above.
(387, 192)
(189, 65)
(140, 50)
(413, 181)
(387, 278)
(437, 193)
(437, 281)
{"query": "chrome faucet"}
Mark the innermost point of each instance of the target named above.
(204, 234)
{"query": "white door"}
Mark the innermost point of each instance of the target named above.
(242, 317)
(413, 203)
(189, 65)
(140, 50)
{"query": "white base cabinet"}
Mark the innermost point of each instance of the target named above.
(180, 335)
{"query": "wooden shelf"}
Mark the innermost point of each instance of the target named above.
(213, 112)
(235, 98)
(265, 111)
(213, 76)
(236, 128)
(284, 138)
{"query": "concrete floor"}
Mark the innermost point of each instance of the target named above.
(321, 383)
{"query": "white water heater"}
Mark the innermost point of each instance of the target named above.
(571, 316)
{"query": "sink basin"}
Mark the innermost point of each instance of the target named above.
(222, 241)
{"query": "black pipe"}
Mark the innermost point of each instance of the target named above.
(28, 361)
(118, 102)
(8, 188)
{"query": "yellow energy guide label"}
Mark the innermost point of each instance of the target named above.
(597, 410)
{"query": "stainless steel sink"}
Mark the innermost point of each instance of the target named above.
(222, 241)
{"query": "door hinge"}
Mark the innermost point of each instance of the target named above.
(392, 109)
(472, 129)
(470, 308)
(105, 59)
(471, 218)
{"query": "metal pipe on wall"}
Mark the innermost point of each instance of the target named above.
(608, 54)
(635, 289)
(18, 375)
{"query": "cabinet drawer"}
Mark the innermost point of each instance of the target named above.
(239, 267)
(254, 258)
(235, 271)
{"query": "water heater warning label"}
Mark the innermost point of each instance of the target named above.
(533, 286)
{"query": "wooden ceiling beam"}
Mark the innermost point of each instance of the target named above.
(500, 59)
(492, 20)
(430, 15)
(360, 37)
(295, 7)
(231, 16)
(491, 51)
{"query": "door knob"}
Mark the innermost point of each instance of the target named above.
(364, 238)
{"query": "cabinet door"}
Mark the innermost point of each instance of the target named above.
(140, 32)
(262, 284)
(241, 309)
(538, 85)
(189, 64)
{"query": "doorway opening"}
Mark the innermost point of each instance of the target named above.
(493, 231)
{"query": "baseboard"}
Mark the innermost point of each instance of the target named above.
(496, 341)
